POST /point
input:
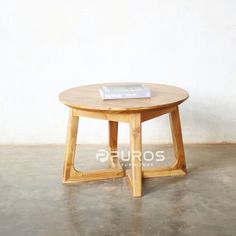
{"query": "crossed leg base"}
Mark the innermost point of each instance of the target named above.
(136, 173)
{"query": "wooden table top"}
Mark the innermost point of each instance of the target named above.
(87, 97)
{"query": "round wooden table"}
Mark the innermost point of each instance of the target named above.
(86, 101)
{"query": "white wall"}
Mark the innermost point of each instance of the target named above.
(49, 45)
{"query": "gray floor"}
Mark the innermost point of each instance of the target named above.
(34, 202)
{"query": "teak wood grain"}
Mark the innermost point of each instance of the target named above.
(136, 153)
(88, 98)
(85, 101)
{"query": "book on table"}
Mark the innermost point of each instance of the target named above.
(124, 91)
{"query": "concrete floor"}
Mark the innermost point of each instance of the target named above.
(34, 202)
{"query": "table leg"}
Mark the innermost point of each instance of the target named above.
(135, 176)
(70, 145)
(179, 166)
(177, 140)
(70, 174)
(112, 143)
